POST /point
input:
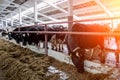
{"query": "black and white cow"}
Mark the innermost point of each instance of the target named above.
(29, 36)
(3, 32)
(78, 43)
(19, 37)
(57, 40)
(35, 38)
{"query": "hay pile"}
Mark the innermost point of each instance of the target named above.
(19, 63)
(22, 64)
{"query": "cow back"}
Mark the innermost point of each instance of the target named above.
(89, 41)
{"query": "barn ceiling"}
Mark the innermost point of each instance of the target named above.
(56, 10)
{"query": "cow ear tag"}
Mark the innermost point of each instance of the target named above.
(77, 54)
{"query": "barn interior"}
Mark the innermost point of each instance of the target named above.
(21, 12)
(26, 13)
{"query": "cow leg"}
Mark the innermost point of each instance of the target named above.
(117, 58)
(18, 41)
(44, 45)
(60, 45)
(91, 54)
(102, 56)
(37, 45)
(56, 45)
(117, 54)
(53, 47)
(23, 39)
(102, 53)
(24, 43)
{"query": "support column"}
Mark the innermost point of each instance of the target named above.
(2, 24)
(11, 20)
(6, 25)
(20, 17)
(46, 42)
(70, 14)
(35, 11)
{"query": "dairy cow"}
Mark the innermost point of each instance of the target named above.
(30, 37)
(57, 40)
(78, 43)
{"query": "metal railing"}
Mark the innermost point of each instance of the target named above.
(69, 32)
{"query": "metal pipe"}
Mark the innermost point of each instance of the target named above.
(46, 42)
(35, 11)
(77, 33)
(11, 20)
(70, 14)
(88, 20)
(2, 24)
(20, 16)
(6, 24)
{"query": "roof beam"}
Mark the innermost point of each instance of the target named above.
(33, 18)
(27, 22)
(104, 8)
(9, 2)
(23, 22)
(64, 11)
(16, 22)
(25, 16)
(35, 12)
(20, 16)
(2, 24)
(53, 19)
(17, 5)
(7, 5)
(56, 7)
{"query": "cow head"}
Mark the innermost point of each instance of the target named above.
(77, 56)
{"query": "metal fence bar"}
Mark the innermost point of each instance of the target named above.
(46, 44)
(65, 32)
(87, 20)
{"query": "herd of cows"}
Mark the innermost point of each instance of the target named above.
(36, 38)
(76, 44)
